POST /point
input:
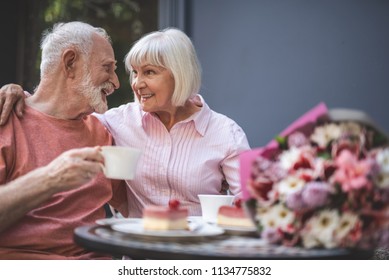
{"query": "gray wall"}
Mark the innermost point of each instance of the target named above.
(267, 62)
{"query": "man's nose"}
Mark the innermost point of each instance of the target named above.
(115, 80)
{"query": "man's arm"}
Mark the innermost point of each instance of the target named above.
(68, 171)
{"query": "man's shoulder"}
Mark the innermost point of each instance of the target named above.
(98, 131)
(93, 121)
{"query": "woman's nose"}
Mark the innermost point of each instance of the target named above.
(138, 83)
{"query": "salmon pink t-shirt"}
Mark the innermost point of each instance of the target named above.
(47, 231)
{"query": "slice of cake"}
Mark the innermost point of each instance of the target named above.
(163, 218)
(234, 216)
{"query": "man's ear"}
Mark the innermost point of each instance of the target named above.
(69, 58)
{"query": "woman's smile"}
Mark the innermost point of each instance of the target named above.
(145, 97)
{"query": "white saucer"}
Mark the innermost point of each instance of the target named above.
(197, 231)
(114, 221)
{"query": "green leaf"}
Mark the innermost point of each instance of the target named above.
(324, 155)
(282, 142)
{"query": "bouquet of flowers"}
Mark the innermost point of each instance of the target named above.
(322, 184)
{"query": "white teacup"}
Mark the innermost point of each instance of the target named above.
(210, 204)
(120, 162)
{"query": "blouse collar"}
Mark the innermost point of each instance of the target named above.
(200, 119)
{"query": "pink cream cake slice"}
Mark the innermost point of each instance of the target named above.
(233, 216)
(165, 218)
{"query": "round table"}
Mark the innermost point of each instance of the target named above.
(104, 239)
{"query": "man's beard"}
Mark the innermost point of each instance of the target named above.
(93, 93)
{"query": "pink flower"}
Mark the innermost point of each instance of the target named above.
(313, 195)
(346, 142)
(264, 174)
(316, 194)
(352, 173)
(295, 201)
(271, 235)
(323, 188)
(260, 188)
(297, 139)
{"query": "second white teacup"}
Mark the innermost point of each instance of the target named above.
(210, 204)
(120, 162)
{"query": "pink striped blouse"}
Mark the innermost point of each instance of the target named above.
(193, 158)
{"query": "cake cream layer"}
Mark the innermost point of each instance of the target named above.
(233, 216)
(234, 222)
(150, 223)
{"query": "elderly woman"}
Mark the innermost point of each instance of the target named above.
(187, 149)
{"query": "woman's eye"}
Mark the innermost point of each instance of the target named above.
(150, 72)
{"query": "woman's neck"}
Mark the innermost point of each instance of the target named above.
(169, 119)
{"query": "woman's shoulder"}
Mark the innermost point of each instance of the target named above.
(219, 119)
(123, 108)
(225, 125)
(129, 109)
(119, 114)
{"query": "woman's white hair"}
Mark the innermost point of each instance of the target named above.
(76, 34)
(171, 49)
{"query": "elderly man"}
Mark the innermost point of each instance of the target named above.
(39, 211)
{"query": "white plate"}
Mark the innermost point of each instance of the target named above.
(197, 231)
(114, 221)
(228, 229)
(242, 231)
(196, 219)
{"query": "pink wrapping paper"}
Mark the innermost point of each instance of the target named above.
(246, 158)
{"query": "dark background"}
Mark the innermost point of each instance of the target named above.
(23, 21)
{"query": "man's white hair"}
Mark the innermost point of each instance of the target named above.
(78, 35)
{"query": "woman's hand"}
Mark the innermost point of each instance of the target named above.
(11, 96)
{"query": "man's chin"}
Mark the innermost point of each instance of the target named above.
(101, 109)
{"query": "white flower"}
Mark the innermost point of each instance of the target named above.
(321, 228)
(319, 167)
(346, 223)
(323, 135)
(382, 178)
(289, 185)
(351, 128)
(382, 159)
(277, 216)
(310, 241)
(289, 157)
